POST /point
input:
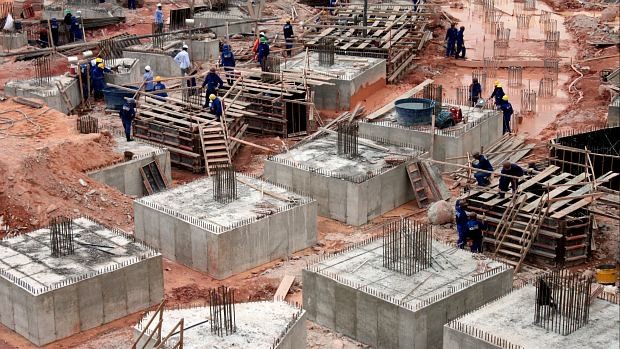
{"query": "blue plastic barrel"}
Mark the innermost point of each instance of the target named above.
(414, 111)
(115, 97)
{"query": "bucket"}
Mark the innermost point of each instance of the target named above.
(606, 274)
(73, 69)
(414, 111)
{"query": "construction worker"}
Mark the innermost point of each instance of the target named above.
(332, 6)
(510, 169)
(507, 112)
(160, 86)
(67, 21)
(498, 93)
(263, 53)
(131, 4)
(460, 43)
(76, 27)
(481, 162)
(288, 37)
(159, 19)
(461, 223)
(98, 80)
(182, 59)
(475, 91)
(148, 79)
(55, 30)
(257, 43)
(474, 232)
(212, 82)
(127, 114)
(216, 107)
(450, 40)
(228, 62)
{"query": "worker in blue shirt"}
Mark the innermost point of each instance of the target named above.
(332, 6)
(461, 223)
(498, 93)
(148, 79)
(451, 40)
(507, 112)
(212, 82)
(510, 169)
(158, 87)
(228, 62)
(263, 52)
(460, 43)
(55, 30)
(127, 114)
(475, 91)
(159, 19)
(481, 162)
(98, 80)
(288, 37)
(475, 230)
(216, 107)
(76, 29)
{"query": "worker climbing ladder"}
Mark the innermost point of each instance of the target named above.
(417, 184)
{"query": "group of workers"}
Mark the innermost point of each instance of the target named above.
(73, 29)
(455, 42)
(469, 228)
(500, 99)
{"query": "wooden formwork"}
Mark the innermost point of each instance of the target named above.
(393, 32)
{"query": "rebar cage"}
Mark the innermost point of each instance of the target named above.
(407, 246)
(61, 236)
(224, 183)
(222, 311)
(348, 139)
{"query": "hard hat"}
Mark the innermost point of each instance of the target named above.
(101, 65)
(498, 85)
(212, 97)
(131, 101)
(159, 4)
(67, 11)
(263, 39)
(261, 34)
(185, 46)
(99, 60)
(147, 68)
(53, 19)
(496, 82)
(158, 78)
(505, 98)
(78, 13)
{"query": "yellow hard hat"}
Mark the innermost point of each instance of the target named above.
(212, 97)
(101, 65)
(505, 98)
(498, 85)
(497, 82)
(158, 78)
(98, 60)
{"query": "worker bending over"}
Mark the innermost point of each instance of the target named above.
(213, 82)
(127, 114)
(498, 93)
(216, 107)
(98, 79)
(482, 163)
(475, 230)
(159, 86)
(475, 91)
(510, 169)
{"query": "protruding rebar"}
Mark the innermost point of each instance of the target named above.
(42, 68)
(500, 49)
(546, 88)
(224, 183)
(515, 76)
(348, 139)
(528, 100)
(523, 21)
(87, 124)
(407, 246)
(61, 236)
(491, 65)
(327, 52)
(435, 93)
(562, 301)
(529, 5)
(481, 75)
(551, 68)
(222, 311)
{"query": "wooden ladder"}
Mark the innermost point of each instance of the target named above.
(214, 145)
(417, 184)
(508, 218)
(531, 230)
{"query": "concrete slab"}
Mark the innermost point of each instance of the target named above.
(349, 189)
(48, 298)
(48, 92)
(486, 327)
(352, 293)
(124, 71)
(260, 325)
(266, 222)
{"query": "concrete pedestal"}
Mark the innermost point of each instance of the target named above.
(48, 92)
(46, 298)
(13, 41)
(126, 71)
(232, 15)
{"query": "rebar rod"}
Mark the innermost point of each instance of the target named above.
(348, 139)
(224, 183)
(528, 100)
(546, 88)
(515, 76)
(222, 311)
(481, 75)
(407, 246)
(327, 51)
(61, 236)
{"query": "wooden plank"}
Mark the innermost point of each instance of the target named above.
(537, 178)
(555, 179)
(581, 191)
(285, 285)
(555, 192)
(407, 94)
(572, 208)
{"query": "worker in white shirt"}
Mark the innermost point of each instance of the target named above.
(182, 59)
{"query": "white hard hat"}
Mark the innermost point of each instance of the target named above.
(147, 68)
(159, 4)
(185, 46)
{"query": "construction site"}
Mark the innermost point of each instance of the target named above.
(279, 174)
